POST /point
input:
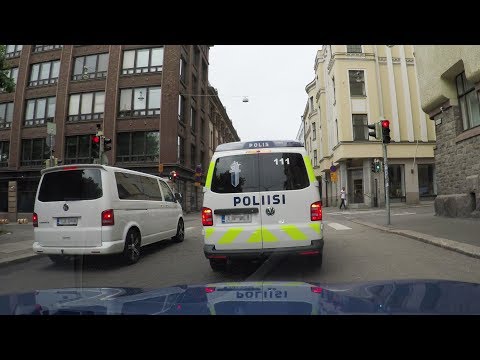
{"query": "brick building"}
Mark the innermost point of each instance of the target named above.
(148, 100)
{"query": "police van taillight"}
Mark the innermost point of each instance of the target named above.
(35, 219)
(108, 218)
(316, 211)
(207, 217)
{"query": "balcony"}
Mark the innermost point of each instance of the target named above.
(89, 76)
(38, 122)
(142, 70)
(5, 125)
(138, 113)
(13, 54)
(42, 48)
(43, 82)
(84, 117)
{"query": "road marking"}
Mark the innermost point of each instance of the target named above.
(338, 226)
(190, 228)
(405, 213)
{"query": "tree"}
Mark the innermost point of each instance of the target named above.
(6, 83)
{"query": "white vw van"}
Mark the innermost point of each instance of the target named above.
(96, 209)
(261, 197)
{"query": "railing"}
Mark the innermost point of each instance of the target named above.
(32, 162)
(5, 125)
(79, 160)
(138, 113)
(43, 82)
(3, 163)
(36, 122)
(84, 117)
(93, 75)
(137, 158)
(40, 48)
(13, 54)
(142, 70)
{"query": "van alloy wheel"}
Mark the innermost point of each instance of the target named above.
(131, 252)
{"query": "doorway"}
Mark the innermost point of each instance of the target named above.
(358, 191)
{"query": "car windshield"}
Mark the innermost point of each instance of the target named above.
(239, 179)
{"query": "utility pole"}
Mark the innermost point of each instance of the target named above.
(387, 182)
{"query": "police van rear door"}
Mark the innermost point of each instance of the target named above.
(235, 204)
(286, 193)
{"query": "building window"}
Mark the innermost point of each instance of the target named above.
(4, 153)
(6, 115)
(86, 106)
(13, 50)
(194, 84)
(315, 158)
(192, 155)
(45, 73)
(40, 48)
(141, 61)
(334, 94)
(310, 102)
(357, 82)
(469, 103)
(336, 130)
(314, 132)
(78, 150)
(202, 129)
(181, 108)
(426, 180)
(181, 150)
(90, 67)
(34, 152)
(196, 56)
(138, 102)
(360, 130)
(11, 74)
(354, 48)
(183, 70)
(193, 119)
(40, 111)
(138, 146)
(396, 175)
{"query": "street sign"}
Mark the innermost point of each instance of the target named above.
(51, 128)
(333, 177)
(160, 168)
(197, 184)
(333, 168)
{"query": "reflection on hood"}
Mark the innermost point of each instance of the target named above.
(255, 298)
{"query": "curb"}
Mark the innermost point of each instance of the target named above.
(17, 259)
(461, 248)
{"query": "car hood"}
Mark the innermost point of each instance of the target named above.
(255, 298)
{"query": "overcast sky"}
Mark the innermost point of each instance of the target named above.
(272, 77)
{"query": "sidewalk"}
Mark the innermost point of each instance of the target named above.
(456, 234)
(16, 243)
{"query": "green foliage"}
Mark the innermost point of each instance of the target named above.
(7, 84)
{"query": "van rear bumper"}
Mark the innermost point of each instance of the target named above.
(110, 247)
(315, 247)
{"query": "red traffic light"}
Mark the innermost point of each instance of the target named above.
(96, 139)
(385, 123)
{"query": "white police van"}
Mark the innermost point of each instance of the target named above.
(261, 197)
(96, 209)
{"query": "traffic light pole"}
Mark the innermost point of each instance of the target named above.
(387, 185)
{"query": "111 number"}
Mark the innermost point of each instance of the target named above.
(282, 161)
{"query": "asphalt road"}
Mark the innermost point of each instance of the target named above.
(352, 253)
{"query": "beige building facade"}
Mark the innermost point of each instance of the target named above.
(357, 85)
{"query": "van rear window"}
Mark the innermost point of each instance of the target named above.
(84, 184)
(259, 172)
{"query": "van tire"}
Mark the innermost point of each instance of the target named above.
(180, 236)
(317, 260)
(133, 243)
(218, 265)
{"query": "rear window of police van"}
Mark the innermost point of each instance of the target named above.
(259, 172)
(71, 185)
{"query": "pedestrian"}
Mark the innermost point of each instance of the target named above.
(343, 197)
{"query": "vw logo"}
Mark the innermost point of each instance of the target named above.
(65, 207)
(270, 211)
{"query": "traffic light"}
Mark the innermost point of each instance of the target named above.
(95, 146)
(386, 131)
(376, 133)
(173, 176)
(378, 166)
(373, 165)
(107, 144)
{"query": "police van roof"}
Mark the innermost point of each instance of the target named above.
(258, 145)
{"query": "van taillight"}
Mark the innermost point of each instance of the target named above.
(316, 211)
(35, 220)
(107, 218)
(207, 217)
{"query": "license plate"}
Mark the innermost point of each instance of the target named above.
(237, 218)
(69, 221)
